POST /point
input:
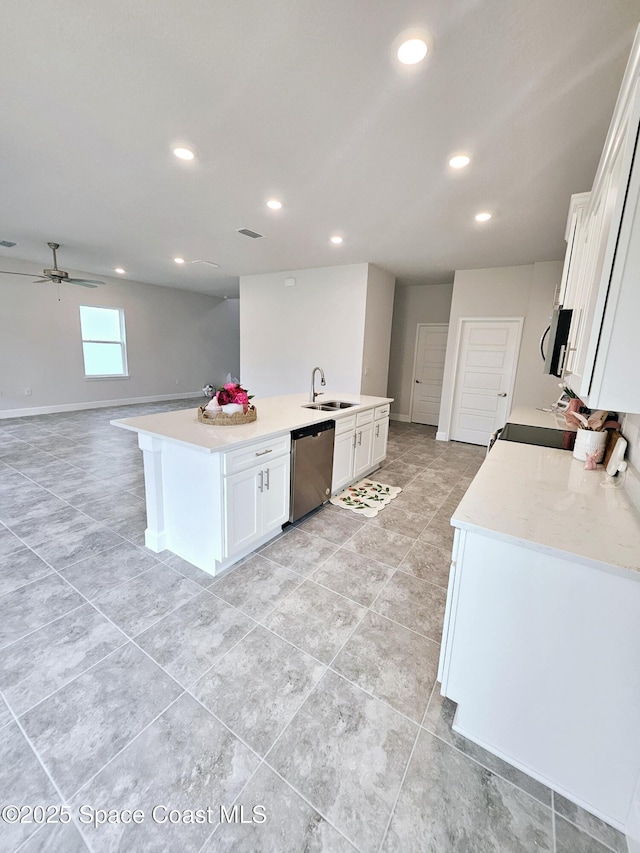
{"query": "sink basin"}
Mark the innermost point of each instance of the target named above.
(329, 405)
(321, 407)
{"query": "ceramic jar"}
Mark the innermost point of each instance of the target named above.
(589, 442)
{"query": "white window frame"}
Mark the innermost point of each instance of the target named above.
(122, 342)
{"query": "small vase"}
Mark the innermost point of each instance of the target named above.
(233, 408)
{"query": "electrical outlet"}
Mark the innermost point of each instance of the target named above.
(27, 392)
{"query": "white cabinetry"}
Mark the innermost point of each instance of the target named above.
(380, 434)
(604, 266)
(363, 444)
(360, 444)
(520, 651)
(256, 498)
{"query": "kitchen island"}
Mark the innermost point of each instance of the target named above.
(216, 493)
(541, 642)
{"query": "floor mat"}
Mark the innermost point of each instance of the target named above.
(367, 497)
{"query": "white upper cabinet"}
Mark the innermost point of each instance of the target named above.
(603, 265)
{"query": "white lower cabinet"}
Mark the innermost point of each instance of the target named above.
(521, 655)
(380, 437)
(360, 444)
(255, 502)
(362, 450)
(343, 450)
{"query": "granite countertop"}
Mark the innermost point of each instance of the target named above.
(543, 498)
(276, 416)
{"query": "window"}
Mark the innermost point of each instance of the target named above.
(103, 342)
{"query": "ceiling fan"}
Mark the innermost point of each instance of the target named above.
(57, 275)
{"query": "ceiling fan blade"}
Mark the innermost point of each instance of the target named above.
(10, 272)
(41, 280)
(82, 283)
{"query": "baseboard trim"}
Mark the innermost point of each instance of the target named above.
(94, 404)
(442, 436)
(405, 419)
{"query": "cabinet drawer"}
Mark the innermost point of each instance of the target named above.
(363, 418)
(244, 457)
(382, 411)
(345, 424)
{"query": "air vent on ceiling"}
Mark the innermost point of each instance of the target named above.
(249, 233)
(7, 244)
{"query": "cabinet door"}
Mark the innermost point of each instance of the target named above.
(275, 494)
(242, 509)
(342, 460)
(363, 449)
(380, 435)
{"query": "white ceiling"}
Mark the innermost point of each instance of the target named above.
(302, 100)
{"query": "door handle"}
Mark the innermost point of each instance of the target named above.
(419, 381)
(377, 430)
(359, 438)
(262, 453)
(354, 441)
(261, 483)
(266, 483)
(502, 394)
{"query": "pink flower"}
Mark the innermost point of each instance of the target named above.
(231, 386)
(241, 397)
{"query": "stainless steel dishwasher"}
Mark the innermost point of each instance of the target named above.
(311, 467)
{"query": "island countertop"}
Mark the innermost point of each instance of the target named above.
(276, 416)
(543, 498)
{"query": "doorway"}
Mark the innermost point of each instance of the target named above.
(484, 377)
(428, 370)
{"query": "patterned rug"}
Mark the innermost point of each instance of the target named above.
(366, 497)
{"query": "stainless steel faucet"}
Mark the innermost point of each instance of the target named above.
(313, 393)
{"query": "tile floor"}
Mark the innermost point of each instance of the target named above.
(302, 681)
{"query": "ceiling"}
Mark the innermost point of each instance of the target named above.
(303, 101)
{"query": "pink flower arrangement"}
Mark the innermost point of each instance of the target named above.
(232, 392)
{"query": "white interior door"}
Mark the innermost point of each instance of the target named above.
(428, 369)
(485, 376)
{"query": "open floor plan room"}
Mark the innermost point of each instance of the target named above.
(298, 686)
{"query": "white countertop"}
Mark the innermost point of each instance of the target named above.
(543, 498)
(536, 417)
(276, 416)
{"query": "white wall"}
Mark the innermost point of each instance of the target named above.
(377, 332)
(286, 331)
(522, 291)
(412, 305)
(171, 335)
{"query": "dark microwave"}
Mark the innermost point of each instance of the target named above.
(558, 333)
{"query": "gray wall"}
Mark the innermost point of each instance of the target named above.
(377, 332)
(522, 291)
(176, 342)
(413, 305)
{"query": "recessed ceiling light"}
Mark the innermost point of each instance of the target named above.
(412, 51)
(183, 153)
(483, 217)
(336, 240)
(179, 260)
(459, 161)
(120, 270)
(274, 204)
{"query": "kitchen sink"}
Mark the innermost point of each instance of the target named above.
(329, 405)
(321, 407)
